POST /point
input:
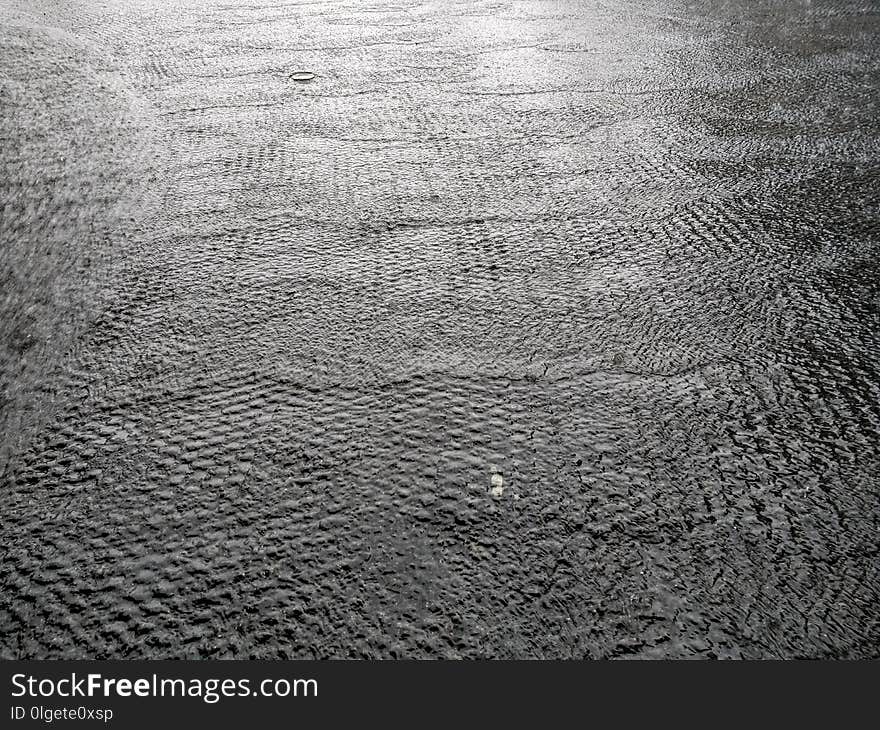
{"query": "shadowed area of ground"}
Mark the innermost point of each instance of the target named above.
(523, 329)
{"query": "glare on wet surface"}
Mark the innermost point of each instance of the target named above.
(517, 329)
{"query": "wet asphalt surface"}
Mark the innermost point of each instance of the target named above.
(523, 329)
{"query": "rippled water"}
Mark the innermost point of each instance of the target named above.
(522, 329)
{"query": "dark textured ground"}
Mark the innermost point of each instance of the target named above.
(265, 343)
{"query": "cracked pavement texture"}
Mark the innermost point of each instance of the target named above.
(270, 347)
